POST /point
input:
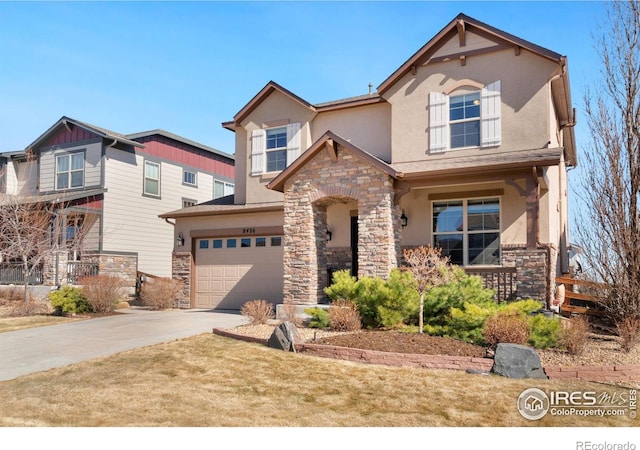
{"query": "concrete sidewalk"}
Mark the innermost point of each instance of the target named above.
(37, 349)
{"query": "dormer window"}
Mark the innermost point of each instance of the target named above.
(465, 118)
(274, 149)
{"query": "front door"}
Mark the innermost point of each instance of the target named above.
(354, 246)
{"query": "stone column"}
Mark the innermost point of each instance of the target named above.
(181, 270)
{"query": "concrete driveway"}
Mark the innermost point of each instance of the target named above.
(37, 349)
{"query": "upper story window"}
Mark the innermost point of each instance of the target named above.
(189, 178)
(465, 119)
(151, 178)
(274, 149)
(188, 202)
(468, 231)
(222, 188)
(70, 171)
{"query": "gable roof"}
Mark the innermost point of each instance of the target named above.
(272, 86)
(460, 25)
(265, 92)
(102, 132)
(331, 139)
(175, 137)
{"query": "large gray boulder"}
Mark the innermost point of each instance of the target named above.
(285, 337)
(517, 361)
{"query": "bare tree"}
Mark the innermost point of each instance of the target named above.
(32, 231)
(429, 269)
(609, 218)
(26, 234)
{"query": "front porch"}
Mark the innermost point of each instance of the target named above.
(345, 209)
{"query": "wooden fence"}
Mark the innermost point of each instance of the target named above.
(576, 302)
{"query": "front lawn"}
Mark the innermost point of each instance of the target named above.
(211, 381)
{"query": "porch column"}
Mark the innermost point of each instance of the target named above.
(300, 252)
(533, 211)
(378, 230)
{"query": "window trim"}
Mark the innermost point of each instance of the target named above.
(281, 149)
(465, 232)
(144, 179)
(188, 200)
(70, 170)
(225, 186)
(195, 178)
(258, 142)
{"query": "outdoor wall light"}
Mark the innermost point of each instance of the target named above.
(180, 240)
(329, 234)
(403, 220)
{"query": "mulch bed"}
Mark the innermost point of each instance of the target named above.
(397, 342)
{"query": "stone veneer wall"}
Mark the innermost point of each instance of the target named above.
(181, 270)
(306, 195)
(49, 268)
(534, 271)
(123, 266)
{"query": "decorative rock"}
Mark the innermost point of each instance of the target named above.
(517, 361)
(285, 337)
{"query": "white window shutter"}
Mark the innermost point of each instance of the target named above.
(257, 151)
(293, 142)
(490, 115)
(438, 122)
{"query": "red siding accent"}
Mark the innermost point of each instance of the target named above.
(93, 202)
(185, 154)
(64, 136)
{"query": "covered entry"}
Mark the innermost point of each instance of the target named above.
(230, 271)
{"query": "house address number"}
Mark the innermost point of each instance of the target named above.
(248, 231)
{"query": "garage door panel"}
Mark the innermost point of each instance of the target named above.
(227, 278)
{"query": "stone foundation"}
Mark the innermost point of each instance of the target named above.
(181, 270)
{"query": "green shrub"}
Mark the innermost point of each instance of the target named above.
(319, 317)
(69, 300)
(545, 332)
(343, 286)
(381, 303)
(462, 289)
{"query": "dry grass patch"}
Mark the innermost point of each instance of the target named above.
(19, 323)
(211, 381)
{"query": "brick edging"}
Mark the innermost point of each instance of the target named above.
(613, 373)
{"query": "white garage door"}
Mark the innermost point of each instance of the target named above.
(232, 271)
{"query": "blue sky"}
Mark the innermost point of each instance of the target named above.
(187, 67)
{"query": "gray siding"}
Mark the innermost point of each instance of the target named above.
(92, 165)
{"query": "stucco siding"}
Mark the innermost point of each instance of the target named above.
(524, 96)
(367, 127)
(276, 109)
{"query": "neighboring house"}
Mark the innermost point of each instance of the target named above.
(114, 186)
(466, 147)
